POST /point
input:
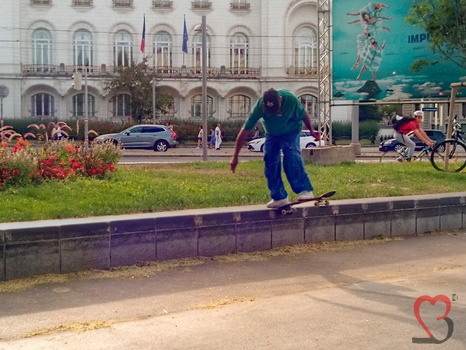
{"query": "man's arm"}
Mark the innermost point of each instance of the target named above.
(307, 122)
(421, 135)
(238, 145)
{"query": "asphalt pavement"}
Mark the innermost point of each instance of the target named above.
(342, 295)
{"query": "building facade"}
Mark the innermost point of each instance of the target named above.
(252, 45)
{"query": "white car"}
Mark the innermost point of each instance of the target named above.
(306, 141)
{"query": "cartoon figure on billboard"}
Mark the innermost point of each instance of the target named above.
(369, 50)
(371, 58)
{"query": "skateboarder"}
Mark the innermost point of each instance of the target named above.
(282, 115)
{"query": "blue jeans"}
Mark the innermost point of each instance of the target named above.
(292, 164)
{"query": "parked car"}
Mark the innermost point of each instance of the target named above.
(395, 145)
(306, 141)
(143, 136)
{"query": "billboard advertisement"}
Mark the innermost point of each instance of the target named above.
(373, 49)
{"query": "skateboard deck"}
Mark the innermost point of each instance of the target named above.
(288, 208)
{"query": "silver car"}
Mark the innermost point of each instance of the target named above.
(146, 136)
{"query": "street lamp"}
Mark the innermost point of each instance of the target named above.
(204, 86)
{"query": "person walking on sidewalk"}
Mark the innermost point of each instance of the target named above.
(282, 116)
(200, 136)
(218, 137)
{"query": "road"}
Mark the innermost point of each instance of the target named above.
(343, 295)
(192, 154)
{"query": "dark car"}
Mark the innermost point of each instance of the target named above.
(144, 136)
(395, 145)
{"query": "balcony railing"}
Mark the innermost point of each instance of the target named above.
(300, 72)
(122, 3)
(161, 72)
(240, 6)
(201, 5)
(41, 2)
(82, 2)
(162, 4)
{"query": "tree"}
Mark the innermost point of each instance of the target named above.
(445, 22)
(136, 80)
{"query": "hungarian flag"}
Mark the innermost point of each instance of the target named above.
(143, 39)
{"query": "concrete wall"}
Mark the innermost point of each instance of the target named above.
(62, 246)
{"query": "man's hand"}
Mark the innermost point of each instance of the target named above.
(315, 134)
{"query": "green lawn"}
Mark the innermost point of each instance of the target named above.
(166, 187)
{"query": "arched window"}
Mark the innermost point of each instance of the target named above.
(78, 105)
(239, 107)
(122, 106)
(239, 52)
(82, 48)
(306, 51)
(197, 51)
(196, 106)
(42, 105)
(163, 48)
(42, 48)
(122, 49)
(310, 104)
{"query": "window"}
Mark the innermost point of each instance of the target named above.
(309, 103)
(163, 47)
(82, 48)
(42, 105)
(306, 51)
(239, 52)
(122, 106)
(122, 49)
(78, 105)
(196, 106)
(152, 129)
(197, 50)
(239, 106)
(41, 48)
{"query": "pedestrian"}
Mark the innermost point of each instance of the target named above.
(282, 116)
(212, 138)
(407, 127)
(372, 139)
(256, 133)
(200, 135)
(218, 137)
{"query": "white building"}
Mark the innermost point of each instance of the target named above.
(253, 45)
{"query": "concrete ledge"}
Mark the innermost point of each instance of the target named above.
(62, 246)
(328, 155)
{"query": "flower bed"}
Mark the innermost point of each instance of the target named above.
(23, 164)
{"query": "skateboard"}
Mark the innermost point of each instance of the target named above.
(288, 208)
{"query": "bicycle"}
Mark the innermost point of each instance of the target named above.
(402, 156)
(450, 155)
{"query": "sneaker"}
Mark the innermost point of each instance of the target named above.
(277, 204)
(304, 195)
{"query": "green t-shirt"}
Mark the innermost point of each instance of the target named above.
(288, 119)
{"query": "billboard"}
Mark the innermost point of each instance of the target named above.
(373, 49)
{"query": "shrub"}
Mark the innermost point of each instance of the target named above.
(56, 160)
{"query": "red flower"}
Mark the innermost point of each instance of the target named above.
(15, 172)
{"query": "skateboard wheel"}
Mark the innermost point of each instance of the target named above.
(317, 204)
(327, 202)
(284, 211)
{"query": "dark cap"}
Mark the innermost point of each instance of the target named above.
(271, 101)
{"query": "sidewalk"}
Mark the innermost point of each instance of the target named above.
(339, 296)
